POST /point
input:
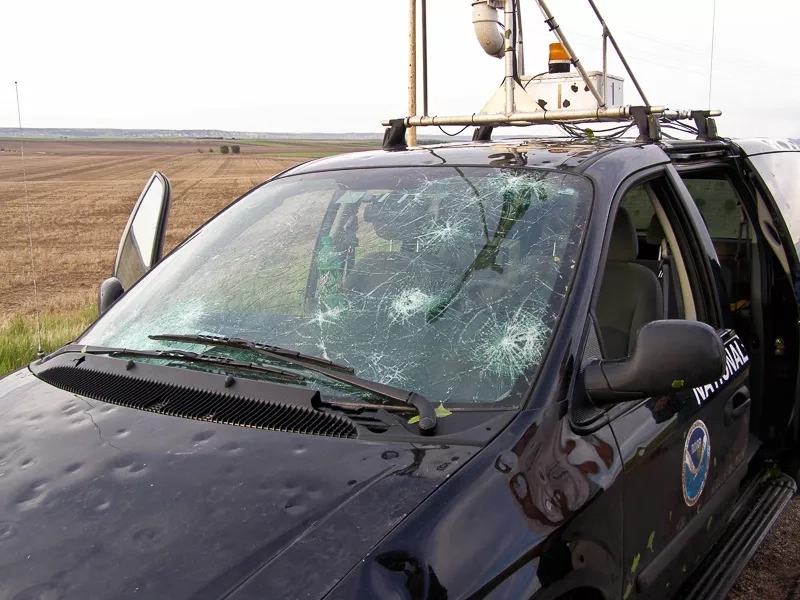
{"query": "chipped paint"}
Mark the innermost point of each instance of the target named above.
(635, 564)
(628, 591)
(650, 540)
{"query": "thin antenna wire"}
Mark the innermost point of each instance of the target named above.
(39, 351)
(711, 63)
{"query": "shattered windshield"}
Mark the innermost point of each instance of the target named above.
(444, 281)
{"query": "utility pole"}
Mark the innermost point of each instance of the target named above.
(412, 69)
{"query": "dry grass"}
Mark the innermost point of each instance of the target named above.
(80, 195)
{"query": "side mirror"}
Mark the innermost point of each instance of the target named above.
(110, 291)
(669, 356)
(143, 237)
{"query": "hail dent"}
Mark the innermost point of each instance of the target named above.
(327, 315)
(443, 234)
(509, 346)
(409, 303)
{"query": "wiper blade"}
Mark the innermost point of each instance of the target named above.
(242, 344)
(342, 373)
(194, 357)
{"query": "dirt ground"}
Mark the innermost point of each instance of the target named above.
(80, 196)
(774, 572)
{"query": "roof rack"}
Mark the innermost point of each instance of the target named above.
(512, 105)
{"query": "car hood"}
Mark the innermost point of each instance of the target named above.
(99, 500)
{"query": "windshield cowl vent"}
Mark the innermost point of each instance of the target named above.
(195, 403)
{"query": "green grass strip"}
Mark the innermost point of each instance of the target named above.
(18, 336)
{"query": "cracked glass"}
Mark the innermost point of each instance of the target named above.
(442, 280)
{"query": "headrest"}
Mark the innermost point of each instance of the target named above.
(624, 246)
(655, 233)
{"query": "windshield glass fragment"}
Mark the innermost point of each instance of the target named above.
(441, 280)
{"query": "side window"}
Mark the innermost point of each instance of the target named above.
(651, 271)
(719, 205)
(648, 229)
(731, 232)
(630, 291)
(638, 205)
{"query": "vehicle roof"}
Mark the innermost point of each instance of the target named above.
(561, 153)
(753, 146)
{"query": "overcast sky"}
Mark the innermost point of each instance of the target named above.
(322, 65)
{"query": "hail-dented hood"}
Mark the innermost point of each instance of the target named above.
(98, 500)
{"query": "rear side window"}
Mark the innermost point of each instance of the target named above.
(639, 207)
(781, 174)
(718, 204)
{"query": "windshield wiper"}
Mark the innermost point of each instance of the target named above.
(194, 357)
(342, 373)
(242, 344)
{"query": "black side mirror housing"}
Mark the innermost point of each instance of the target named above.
(669, 356)
(110, 291)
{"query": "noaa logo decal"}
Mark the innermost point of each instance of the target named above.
(696, 458)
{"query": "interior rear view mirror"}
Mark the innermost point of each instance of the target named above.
(669, 356)
(143, 237)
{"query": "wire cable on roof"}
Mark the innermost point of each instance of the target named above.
(459, 132)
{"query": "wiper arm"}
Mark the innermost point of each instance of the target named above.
(342, 373)
(242, 344)
(194, 357)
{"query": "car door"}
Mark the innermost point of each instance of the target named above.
(142, 239)
(772, 168)
(684, 453)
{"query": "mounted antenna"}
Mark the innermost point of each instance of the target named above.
(711, 59)
(39, 351)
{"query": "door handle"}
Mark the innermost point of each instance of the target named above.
(737, 405)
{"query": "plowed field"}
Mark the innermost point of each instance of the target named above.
(81, 193)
